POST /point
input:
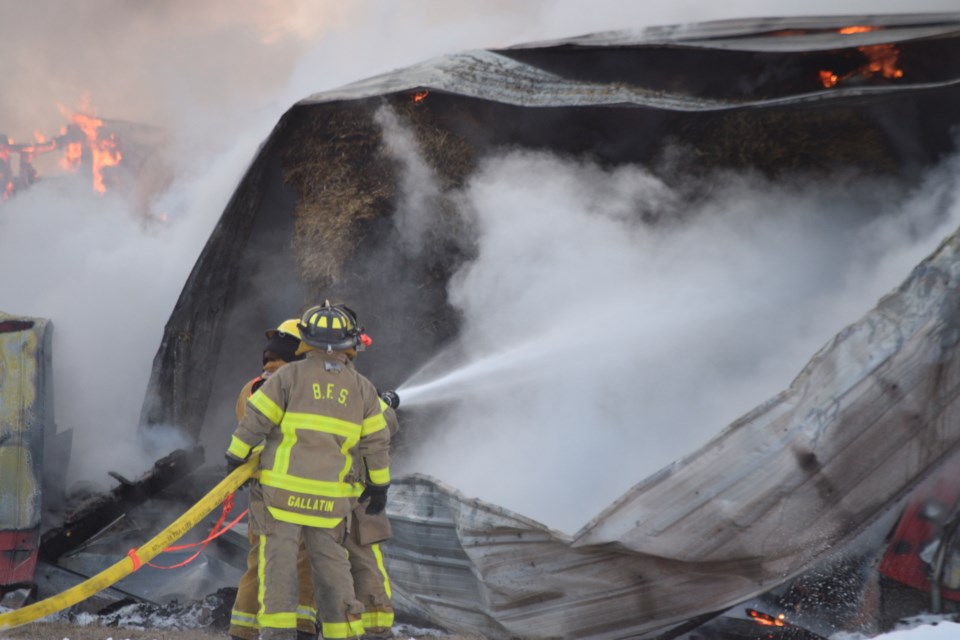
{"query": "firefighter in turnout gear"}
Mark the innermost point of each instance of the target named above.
(281, 348)
(314, 418)
(369, 530)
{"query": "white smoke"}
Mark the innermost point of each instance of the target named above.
(216, 77)
(596, 348)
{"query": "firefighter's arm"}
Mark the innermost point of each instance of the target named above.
(393, 425)
(245, 393)
(374, 445)
(264, 412)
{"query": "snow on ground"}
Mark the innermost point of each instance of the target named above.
(919, 628)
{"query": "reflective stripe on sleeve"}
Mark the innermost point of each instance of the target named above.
(238, 448)
(374, 424)
(380, 476)
(270, 409)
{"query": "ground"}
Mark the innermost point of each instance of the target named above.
(63, 631)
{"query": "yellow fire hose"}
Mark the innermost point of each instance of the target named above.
(143, 554)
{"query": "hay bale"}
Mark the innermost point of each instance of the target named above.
(346, 179)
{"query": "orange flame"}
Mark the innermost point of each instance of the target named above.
(856, 29)
(766, 619)
(72, 155)
(104, 152)
(881, 60)
(420, 96)
(83, 142)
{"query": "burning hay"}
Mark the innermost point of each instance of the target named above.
(337, 203)
(335, 199)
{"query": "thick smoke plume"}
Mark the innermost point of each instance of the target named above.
(214, 77)
(599, 346)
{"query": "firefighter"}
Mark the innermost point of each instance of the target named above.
(367, 532)
(371, 582)
(281, 348)
(314, 417)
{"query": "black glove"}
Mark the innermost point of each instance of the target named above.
(391, 398)
(232, 465)
(377, 495)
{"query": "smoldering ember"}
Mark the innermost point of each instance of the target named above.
(828, 504)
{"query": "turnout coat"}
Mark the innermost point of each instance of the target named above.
(315, 418)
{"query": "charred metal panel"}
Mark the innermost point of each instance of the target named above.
(102, 510)
(25, 417)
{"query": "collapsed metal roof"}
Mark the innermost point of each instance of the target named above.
(514, 77)
(775, 492)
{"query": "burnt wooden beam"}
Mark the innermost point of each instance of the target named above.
(96, 513)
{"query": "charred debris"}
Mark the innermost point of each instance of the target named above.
(877, 95)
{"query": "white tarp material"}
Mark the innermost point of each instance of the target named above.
(775, 492)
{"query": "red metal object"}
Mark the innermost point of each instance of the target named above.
(18, 555)
(920, 526)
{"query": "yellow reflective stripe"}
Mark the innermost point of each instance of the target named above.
(262, 562)
(309, 521)
(243, 619)
(238, 448)
(348, 444)
(285, 620)
(270, 409)
(373, 619)
(343, 629)
(380, 476)
(357, 490)
(306, 613)
(320, 488)
(281, 459)
(293, 421)
(378, 554)
(374, 424)
(326, 424)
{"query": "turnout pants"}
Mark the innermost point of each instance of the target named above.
(243, 617)
(338, 608)
(370, 578)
